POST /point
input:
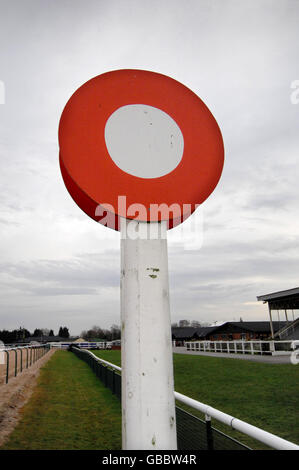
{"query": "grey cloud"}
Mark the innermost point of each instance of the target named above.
(240, 58)
(78, 272)
(45, 291)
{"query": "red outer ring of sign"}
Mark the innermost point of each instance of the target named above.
(91, 176)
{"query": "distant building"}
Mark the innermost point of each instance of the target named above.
(189, 333)
(245, 330)
(228, 331)
(80, 340)
(115, 344)
(43, 339)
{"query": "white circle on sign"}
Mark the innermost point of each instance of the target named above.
(144, 141)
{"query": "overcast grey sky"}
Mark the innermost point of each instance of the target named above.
(57, 266)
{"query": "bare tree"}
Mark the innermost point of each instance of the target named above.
(184, 323)
(115, 332)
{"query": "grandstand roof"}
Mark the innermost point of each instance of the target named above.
(254, 326)
(282, 300)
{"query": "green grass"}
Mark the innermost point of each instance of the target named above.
(69, 409)
(265, 395)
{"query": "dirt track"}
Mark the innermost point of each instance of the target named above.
(15, 394)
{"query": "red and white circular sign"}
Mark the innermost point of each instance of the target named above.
(139, 145)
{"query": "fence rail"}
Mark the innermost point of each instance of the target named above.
(14, 359)
(274, 348)
(192, 431)
(86, 345)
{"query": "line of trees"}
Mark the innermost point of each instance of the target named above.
(22, 333)
(96, 332)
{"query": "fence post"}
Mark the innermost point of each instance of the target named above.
(106, 376)
(210, 443)
(7, 365)
(27, 354)
(16, 362)
(113, 381)
(272, 347)
(21, 368)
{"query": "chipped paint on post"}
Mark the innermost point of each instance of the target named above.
(147, 368)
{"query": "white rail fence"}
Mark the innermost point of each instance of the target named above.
(274, 348)
(260, 435)
(265, 437)
(86, 345)
(14, 360)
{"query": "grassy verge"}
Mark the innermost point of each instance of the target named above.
(265, 395)
(69, 409)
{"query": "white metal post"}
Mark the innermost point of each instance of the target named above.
(271, 323)
(148, 405)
